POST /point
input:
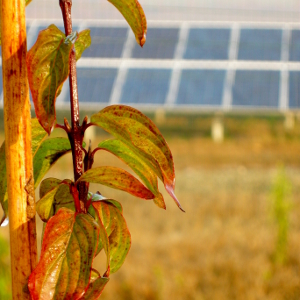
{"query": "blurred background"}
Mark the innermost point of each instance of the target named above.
(221, 81)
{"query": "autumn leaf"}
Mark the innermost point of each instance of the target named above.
(68, 250)
(116, 228)
(118, 179)
(48, 68)
(134, 14)
(139, 133)
(136, 162)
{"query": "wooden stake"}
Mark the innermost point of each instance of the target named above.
(18, 146)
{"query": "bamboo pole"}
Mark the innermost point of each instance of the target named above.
(18, 146)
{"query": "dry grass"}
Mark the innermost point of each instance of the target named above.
(223, 246)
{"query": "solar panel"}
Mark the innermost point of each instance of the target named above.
(260, 44)
(161, 43)
(201, 87)
(146, 86)
(294, 54)
(106, 42)
(248, 75)
(294, 88)
(94, 85)
(256, 88)
(207, 43)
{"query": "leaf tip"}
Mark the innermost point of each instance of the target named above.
(141, 41)
(170, 190)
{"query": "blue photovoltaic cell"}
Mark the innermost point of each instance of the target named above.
(294, 89)
(146, 86)
(160, 44)
(201, 87)
(94, 85)
(295, 46)
(106, 42)
(207, 43)
(260, 44)
(256, 88)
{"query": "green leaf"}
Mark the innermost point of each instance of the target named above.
(83, 42)
(63, 197)
(47, 185)
(140, 134)
(136, 162)
(47, 154)
(54, 194)
(48, 68)
(44, 207)
(68, 250)
(38, 134)
(117, 231)
(134, 14)
(118, 179)
(27, 2)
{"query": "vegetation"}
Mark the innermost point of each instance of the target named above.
(78, 224)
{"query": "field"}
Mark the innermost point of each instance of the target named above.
(227, 245)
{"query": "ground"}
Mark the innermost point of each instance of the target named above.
(224, 246)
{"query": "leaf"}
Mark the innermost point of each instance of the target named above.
(103, 242)
(54, 194)
(134, 14)
(140, 134)
(47, 154)
(118, 179)
(95, 288)
(44, 207)
(48, 68)
(47, 185)
(27, 2)
(68, 249)
(83, 42)
(136, 162)
(98, 197)
(38, 134)
(117, 231)
(64, 198)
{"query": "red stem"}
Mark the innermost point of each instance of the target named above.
(76, 134)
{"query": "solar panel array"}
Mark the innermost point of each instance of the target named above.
(188, 65)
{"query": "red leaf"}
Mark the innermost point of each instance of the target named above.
(68, 249)
(118, 179)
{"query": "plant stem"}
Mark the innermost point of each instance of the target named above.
(17, 123)
(76, 134)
